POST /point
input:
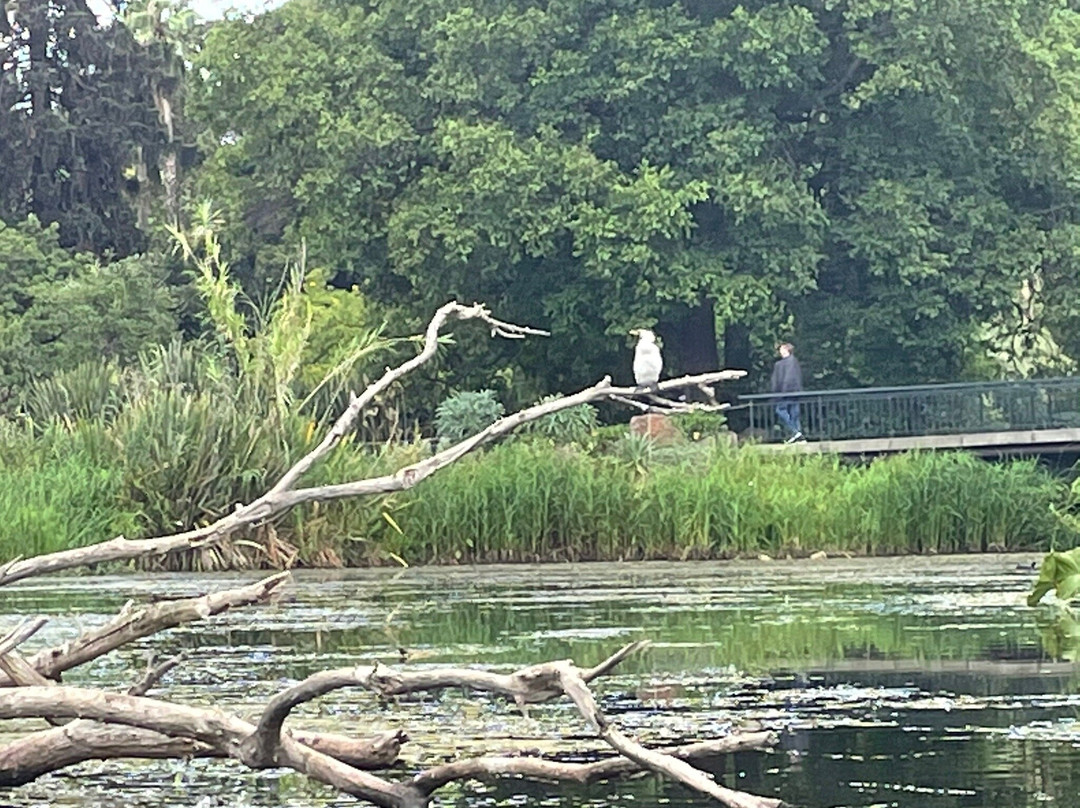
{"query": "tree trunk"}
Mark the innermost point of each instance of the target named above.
(737, 354)
(690, 340)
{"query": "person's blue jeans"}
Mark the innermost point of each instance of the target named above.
(788, 413)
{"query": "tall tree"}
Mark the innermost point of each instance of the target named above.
(169, 31)
(871, 175)
(74, 105)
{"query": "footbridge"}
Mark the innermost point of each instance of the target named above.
(1030, 417)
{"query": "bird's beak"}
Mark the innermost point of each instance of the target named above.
(634, 332)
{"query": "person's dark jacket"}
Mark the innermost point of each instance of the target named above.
(787, 375)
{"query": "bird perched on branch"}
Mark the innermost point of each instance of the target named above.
(647, 360)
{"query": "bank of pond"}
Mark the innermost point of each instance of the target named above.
(530, 500)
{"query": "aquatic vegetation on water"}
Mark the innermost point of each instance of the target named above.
(929, 687)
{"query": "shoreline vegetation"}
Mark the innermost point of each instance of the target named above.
(607, 496)
(178, 438)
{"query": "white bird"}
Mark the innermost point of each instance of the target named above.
(647, 360)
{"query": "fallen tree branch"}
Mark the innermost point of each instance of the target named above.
(134, 623)
(21, 633)
(682, 771)
(153, 674)
(221, 732)
(149, 728)
(26, 759)
(530, 685)
(575, 687)
(536, 768)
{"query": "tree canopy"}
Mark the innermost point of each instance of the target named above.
(882, 181)
(892, 185)
(75, 105)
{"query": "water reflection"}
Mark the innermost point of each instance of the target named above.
(902, 682)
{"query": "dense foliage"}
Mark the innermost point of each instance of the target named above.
(893, 183)
(59, 309)
(528, 500)
(75, 108)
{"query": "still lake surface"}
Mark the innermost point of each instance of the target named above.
(910, 682)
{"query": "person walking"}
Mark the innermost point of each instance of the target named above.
(787, 378)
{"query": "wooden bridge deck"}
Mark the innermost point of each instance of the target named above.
(987, 444)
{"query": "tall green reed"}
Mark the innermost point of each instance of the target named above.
(531, 501)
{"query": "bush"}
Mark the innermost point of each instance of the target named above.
(572, 425)
(464, 414)
(59, 309)
(699, 425)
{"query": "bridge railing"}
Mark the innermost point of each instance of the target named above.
(928, 409)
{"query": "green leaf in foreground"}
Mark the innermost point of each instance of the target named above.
(1060, 572)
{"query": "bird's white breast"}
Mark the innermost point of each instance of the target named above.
(647, 363)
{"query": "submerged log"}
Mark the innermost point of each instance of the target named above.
(135, 622)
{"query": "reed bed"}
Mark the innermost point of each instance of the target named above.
(170, 462)
(526, 501)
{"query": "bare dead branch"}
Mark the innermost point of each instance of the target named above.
(262, 745)
(344, 423)
(221, 732)
(668, 406)
(683, 772)
(153, 674)
(378, 752)
(409, 476)
(536, 768)
(21, 672)
(25, 759)
(135, 623)
(151, 728)
(574, 687)
(21, 633)
(613, 660)
(526, 686)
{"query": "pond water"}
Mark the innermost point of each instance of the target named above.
(895, 682)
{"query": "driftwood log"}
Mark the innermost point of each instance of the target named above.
(90, 724)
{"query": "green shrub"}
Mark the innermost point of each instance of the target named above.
(466, 413)
(94, 389)
(572, 425)
(698, 425)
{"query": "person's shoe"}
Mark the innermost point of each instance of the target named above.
(796, 438)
